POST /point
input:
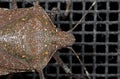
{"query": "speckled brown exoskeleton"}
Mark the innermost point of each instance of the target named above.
(28, 39)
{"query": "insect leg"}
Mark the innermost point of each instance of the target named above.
(14, 4)
(59, 61)
(65, 67)
(10, 76)
(53, 13)
(36, 3)
(41, 75)
(67, 11)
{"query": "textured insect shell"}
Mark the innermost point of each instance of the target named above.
(29, 37)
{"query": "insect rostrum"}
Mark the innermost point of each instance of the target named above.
(28, 39)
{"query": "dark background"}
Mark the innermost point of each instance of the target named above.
(97, 39)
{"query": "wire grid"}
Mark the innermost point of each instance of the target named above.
(97, 38)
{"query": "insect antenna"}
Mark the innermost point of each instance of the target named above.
(87, 73)
(14, 4)
(82, 17)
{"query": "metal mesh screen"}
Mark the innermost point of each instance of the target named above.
(97, 39)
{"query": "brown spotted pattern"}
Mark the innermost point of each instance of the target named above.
(28, 39)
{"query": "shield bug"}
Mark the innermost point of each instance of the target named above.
(28, 39)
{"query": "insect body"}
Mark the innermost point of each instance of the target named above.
(28, 39)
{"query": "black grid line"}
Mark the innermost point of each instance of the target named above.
(97, 38)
